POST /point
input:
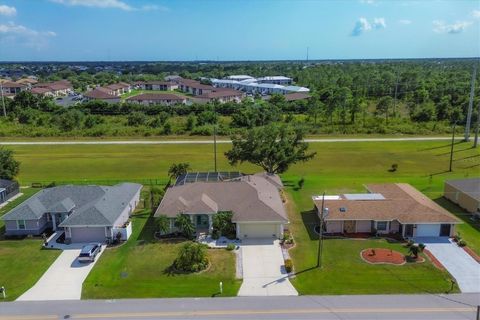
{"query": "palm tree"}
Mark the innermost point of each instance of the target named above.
(177, 169)
(163, 224)
(185, 225)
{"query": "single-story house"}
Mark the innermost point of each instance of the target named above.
(57, 88)
(167, 99)
(101, 94)
(392, 208)
(8, 189)
(465, 193)
(13, 88)
(117, 89)
(254, 200)
(84, 213)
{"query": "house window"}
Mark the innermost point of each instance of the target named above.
(21, 224)
(382, 225)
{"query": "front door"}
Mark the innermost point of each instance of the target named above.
(349, 226)
(445, 230)
(409, 230)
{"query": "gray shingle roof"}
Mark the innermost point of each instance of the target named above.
(250, 198)
(92, 205)
(470, 186)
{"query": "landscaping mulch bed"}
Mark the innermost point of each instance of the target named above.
(472, 253)
(434, 260)
(382, 256)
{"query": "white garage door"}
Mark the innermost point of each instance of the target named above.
(259, 230)
(88, 234)
(428, 230)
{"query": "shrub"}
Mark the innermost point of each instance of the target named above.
(192, 257)
(462, 243)
(394, 167)
(231, 247)
(136, 119)
(301, 182)
(421, 246)
(215, 234)
(183, 222)
(222, 222)
(288, 265)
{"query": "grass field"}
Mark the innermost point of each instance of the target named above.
(138, 269)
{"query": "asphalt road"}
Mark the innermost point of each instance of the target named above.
(379, 307)
(210, 141)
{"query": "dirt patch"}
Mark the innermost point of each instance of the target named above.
(472, 253)
(434, 260)
(382, 256)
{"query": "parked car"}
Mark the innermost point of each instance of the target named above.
(89, 252)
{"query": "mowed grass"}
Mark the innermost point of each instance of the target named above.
(139, 269)
(22, 263)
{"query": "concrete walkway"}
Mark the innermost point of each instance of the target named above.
(63, 280)
(459, 264)
(263, 269)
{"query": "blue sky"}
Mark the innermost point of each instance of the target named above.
(237, 30)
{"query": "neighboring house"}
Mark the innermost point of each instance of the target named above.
(173, 78)
(194, 87)
(393, 208)
(8, 189)
(254, 200)
(42, 92)
(465, 193)
(157, 85)
(57, 88)
(263, 85)
(117, 89)
(167, 99)
(13, 88)
(276, 80)
(101, 94)
(220, 95)
(84, 213)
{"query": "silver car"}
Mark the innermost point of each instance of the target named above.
(89, 252)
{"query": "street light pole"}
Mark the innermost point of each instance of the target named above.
(451, 148)
(320, 234)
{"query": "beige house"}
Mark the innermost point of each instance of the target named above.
(55, 89)
(392, 208)
(254, 200)
(101, 94)
(465, 193)
(167, 99)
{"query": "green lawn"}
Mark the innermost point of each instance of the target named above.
(22, 263)
(138, 269)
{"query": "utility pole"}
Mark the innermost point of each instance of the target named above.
(475, 141)
(320, 234)
(307, 53)
(470, 103)
(451, 148)
(215, 136)
(3, 101)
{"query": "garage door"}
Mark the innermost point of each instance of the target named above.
(88, 234)
(428, 230)
(259, 230)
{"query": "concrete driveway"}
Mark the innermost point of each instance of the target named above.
(263, 269)
(459, 264)
(63, 280)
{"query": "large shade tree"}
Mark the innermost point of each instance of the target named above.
(9, 167)
(274, 148)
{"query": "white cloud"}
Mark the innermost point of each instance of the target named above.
(115, 4)
(367, 1)
(476, 14)
(7, 11)
(405, 21)
(363, 25)
(19, 34)
(453, 28)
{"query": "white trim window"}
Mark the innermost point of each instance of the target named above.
(21, 225)
(382, 225)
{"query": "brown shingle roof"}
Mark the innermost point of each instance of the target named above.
(99, 93)
(402, 202)
(155, 96)
(296, 96)
(40, 90)
(10, 84)
(250, 198)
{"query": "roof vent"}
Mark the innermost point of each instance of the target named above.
(343, 209)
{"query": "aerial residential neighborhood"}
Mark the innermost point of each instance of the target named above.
(218, 159)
